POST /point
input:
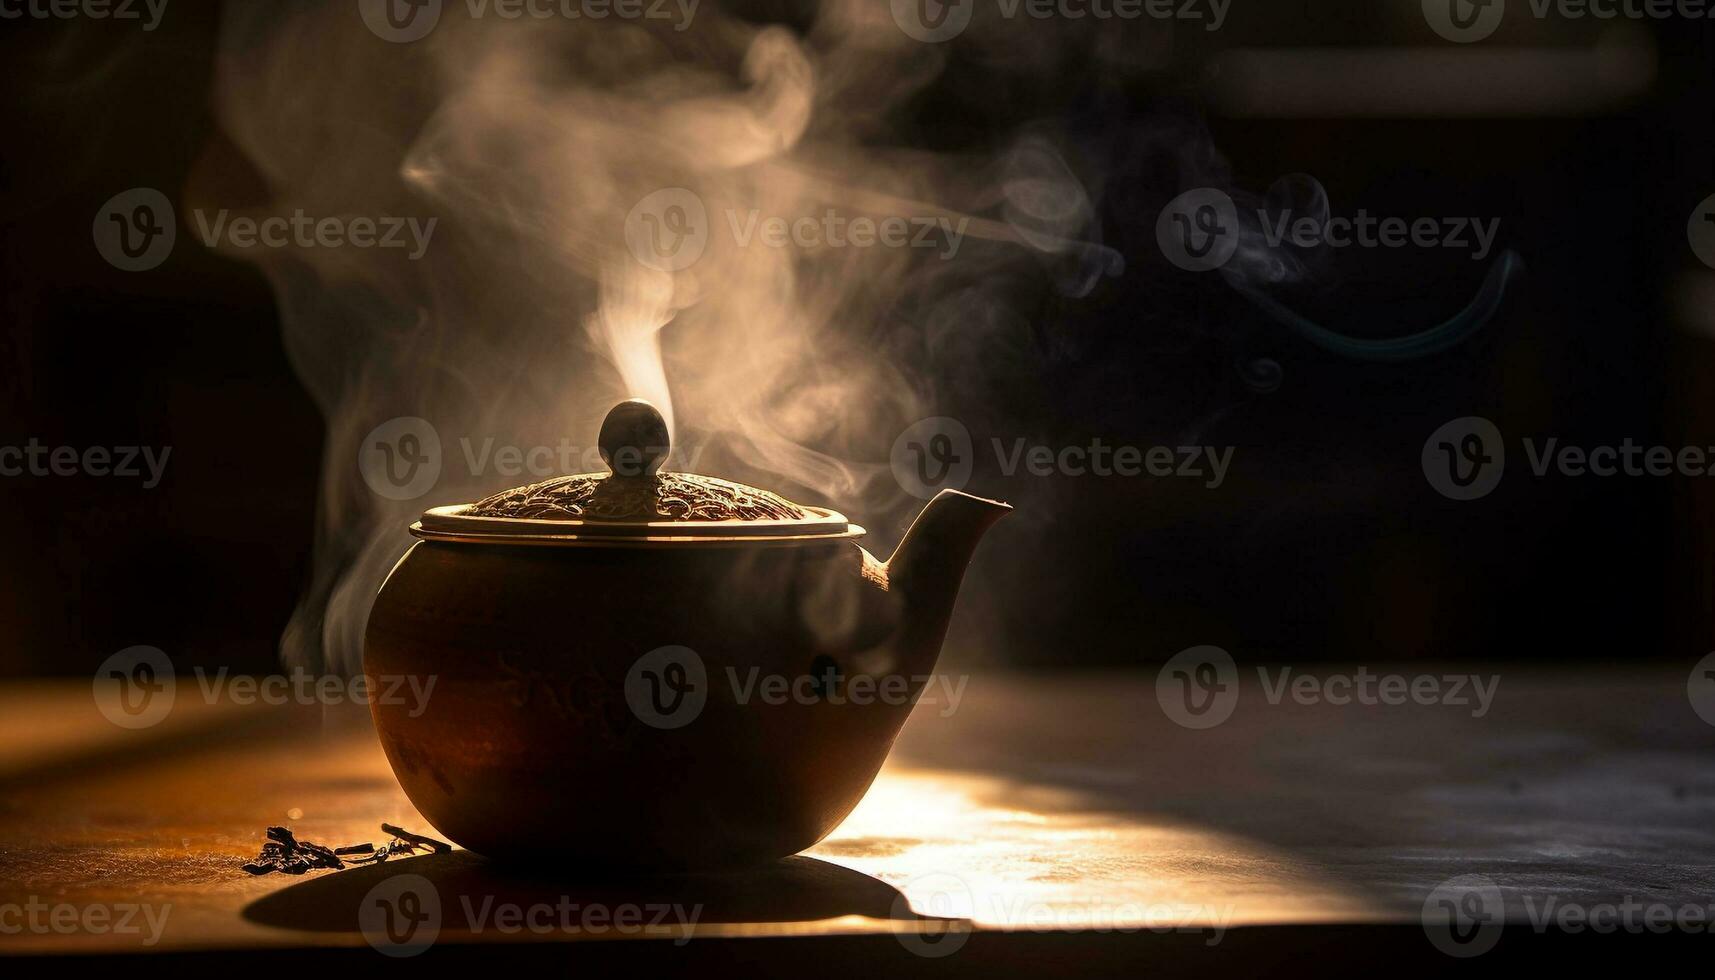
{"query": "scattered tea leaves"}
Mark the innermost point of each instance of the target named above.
(285, 853)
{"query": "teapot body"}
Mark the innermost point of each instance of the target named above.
(669, 708)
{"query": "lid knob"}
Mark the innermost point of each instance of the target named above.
(634, 440)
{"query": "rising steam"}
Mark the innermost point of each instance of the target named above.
(528, 317)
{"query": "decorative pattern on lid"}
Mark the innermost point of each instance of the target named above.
(634, 443)
(660, 497)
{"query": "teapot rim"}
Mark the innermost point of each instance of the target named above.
(456, 524)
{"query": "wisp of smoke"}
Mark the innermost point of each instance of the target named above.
(530, 144)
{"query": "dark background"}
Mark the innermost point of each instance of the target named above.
(1325, 543)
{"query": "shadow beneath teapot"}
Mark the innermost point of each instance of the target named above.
(470, 889)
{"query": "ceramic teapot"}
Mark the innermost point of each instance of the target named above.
(655, 669)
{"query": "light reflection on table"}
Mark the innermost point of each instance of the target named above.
(1009, 855)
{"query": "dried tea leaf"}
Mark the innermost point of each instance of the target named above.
(285, 853)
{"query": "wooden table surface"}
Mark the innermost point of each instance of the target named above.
(1064, 804)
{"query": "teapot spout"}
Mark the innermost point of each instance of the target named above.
(929, 564)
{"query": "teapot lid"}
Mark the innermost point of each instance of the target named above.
(636, 503)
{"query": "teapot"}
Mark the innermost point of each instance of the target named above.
(652, 669)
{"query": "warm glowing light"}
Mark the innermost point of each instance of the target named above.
(1020, 856)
